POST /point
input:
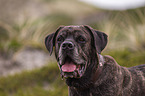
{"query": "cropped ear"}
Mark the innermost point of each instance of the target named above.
(50, 40)
(99, 38)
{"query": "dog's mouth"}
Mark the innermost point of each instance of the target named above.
(70, 69)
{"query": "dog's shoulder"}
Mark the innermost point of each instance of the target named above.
(109, 60)
(111, 64)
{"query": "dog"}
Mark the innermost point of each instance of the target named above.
(88, 73)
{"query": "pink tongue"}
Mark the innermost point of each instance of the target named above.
(68, 67)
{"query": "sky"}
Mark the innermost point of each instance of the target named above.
(116, 4)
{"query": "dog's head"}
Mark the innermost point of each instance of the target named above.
(74, 47)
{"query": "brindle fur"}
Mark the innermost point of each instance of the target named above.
(114, 80)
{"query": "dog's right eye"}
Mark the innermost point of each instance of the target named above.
(80, 39)
(60, 39)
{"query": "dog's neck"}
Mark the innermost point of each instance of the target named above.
(99, 69)
(89, 78)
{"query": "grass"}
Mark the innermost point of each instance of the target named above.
(46, 81)
(127, 58)
(125, 29)
(30, 33)
(40, 82)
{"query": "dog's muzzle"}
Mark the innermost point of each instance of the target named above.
(71, 64)
(71, 69)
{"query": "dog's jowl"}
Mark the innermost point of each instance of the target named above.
(86, 71)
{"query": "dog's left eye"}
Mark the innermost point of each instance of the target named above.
(81, 39)
(60, 39)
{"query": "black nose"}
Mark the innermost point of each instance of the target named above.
(67, 45)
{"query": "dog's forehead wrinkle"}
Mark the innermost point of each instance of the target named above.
(80, 32)
(73, 26)
(62, 33)
(73, 29)
(74, 32)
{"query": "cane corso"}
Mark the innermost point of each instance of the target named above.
(86, 71)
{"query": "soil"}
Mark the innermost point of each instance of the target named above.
(24, 59)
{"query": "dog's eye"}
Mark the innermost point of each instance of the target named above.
(81, 39)
(60, 39)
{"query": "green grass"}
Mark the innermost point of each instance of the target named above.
(127, 58)
(47, 81)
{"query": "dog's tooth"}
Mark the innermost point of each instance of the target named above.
(75, 74)
(62, 74)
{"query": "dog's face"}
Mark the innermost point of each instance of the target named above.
(71, 49)
(74, 46)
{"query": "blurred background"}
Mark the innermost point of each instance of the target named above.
(26, 69)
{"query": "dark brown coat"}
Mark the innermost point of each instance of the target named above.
(86, 71)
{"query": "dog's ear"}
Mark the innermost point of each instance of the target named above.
(99, 38)
(50, 40)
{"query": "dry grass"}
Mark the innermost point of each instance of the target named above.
(126, 29)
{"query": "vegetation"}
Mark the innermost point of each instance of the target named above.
(40, 82)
